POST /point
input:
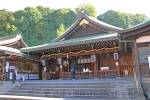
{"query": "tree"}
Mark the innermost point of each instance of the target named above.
(88, 8)
(120, 19)
(39, 25)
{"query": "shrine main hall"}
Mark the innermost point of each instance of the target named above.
(99, 50)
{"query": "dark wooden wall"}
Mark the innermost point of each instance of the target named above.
(125, 60)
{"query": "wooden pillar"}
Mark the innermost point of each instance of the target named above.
(118, 65)
(95, 69)
(136, 55)
(3, 67)
(68, 65)
(118, 68)
(133, 58)
(60, 67)
(95, 66)
(45, 68)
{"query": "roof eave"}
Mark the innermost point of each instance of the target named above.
(63, 43)
(141, 25)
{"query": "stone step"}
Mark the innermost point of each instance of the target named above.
(76, 95)
(4, 90)
(56, 89)
(7, 85)
(2, 93)
(148, 94)
(15, 97)
(75, 90)
(100, 89)
(85, 86)
(76, 82)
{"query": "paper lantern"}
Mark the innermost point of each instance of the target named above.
(93, 58)
(43, 62)
(115, 56)
(59, 61)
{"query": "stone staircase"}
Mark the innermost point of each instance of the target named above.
(148, 93)
(98, 89)
(6, 86)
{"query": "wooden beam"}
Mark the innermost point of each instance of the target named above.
(86, 53)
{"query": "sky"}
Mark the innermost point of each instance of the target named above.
(101, 6)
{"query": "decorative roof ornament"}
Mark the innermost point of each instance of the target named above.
(82, 11)
(83, 23)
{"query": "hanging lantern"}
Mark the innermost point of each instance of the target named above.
(43, 62)
(115, 56)
(67, 56)
(93, 58)
(59, 61)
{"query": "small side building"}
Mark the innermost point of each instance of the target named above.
(138, 38)
(11, 58)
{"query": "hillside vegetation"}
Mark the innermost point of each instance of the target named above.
(41, 25)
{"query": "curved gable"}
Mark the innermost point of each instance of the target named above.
(11, 40)
(85, 25)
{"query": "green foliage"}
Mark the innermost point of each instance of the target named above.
(41, 25)
(88, 8)
(120, 19)
(37, 25)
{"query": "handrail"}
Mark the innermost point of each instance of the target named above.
(3, 78)
(136, 82)
(2, 75)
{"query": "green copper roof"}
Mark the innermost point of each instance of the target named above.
(12, 38)
(138, 26)
(16, 52)
(9, 50)
(75, 41)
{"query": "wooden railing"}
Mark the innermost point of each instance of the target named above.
(50, 75)
(3, 78)
(90, 75)
(145, 71)
(126, 72)
(106, 73)
(136, 81)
